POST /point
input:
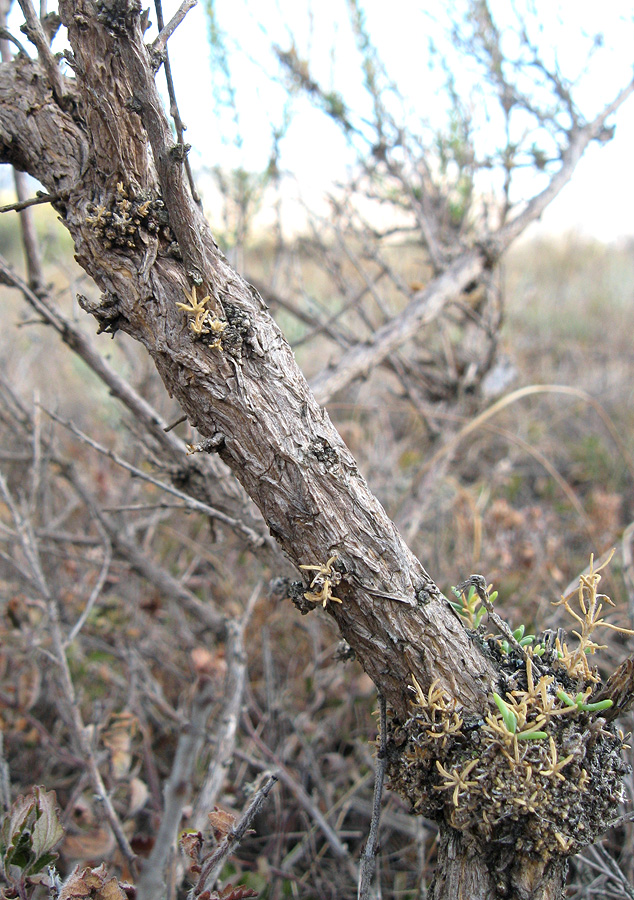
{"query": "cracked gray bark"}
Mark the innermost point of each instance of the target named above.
(250, 397)
(101, 140)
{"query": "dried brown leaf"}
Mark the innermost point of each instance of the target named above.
(212, 664)
(191, 843)
(118, 739)
(96, 844)
(95, 884)
(221, 822)
(139, 793)
(240, 892)
(29, 683)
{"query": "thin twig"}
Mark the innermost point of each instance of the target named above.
(339, 849)
(137, 405)
(427, 304)
(178, 421)
(147, 568)
(234, 837)
(78, 342)
(36, 35)
(6, 35)
(190, 502)
(174, 112)
(97, 587)
(5, 784)
(32, 201)
(157, 47)
(300, 849)
(368, 857)
(609, 867)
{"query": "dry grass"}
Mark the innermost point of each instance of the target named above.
(523, 499)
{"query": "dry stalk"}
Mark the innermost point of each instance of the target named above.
(233, 838)
(68, 698)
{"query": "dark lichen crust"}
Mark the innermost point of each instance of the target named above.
(543, 795)
(540, 770)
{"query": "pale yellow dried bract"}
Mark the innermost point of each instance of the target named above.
(324, 579)
(202, 320)
(456, 780)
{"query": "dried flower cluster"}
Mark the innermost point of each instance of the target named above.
(540, 768)
(125, 221)
(201, 319)
(590, 604)
(322, 583)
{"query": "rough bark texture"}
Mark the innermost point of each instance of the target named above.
(103, 143)
(461, 874)
(249, 397)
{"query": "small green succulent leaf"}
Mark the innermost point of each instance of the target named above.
(508, 716)
(532, 736)
(518, 634)
(563, 696)
(596, 707)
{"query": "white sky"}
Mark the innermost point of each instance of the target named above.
(598, 202)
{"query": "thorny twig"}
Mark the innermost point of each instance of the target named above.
(235, 835)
